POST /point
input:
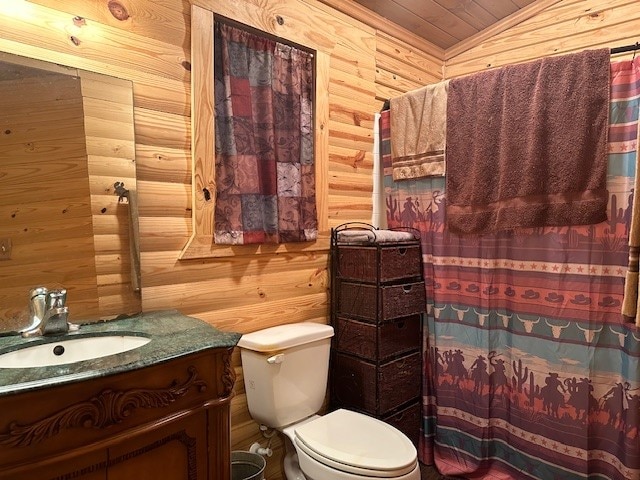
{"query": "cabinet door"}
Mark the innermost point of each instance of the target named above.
(92, 466)
(176, 450)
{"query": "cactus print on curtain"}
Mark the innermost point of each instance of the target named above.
(530, 371)
(265, 171)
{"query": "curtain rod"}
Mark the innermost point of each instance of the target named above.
(626, 48)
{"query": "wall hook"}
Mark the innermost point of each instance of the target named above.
(121, 191)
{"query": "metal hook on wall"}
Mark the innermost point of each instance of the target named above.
(121, 191)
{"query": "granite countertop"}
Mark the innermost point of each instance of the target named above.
(172, 335)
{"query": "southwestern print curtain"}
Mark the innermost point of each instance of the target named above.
(265, 172)
(530, 371)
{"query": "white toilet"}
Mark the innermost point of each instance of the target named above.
(285, 376)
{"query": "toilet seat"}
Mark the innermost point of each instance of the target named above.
(356, 443)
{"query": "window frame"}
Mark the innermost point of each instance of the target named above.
(201, 243)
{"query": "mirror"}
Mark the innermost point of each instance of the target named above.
(68, 214)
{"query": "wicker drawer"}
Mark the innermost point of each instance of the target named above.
(379, 263)
(363, 386)
(407, 420)
(377, 304)
(372, 342)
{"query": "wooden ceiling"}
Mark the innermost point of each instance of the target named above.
(444, 22)
(451, 26)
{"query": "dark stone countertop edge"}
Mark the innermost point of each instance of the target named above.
(173, 335)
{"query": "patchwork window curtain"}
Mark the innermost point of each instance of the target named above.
(264, 165)
(531, 371)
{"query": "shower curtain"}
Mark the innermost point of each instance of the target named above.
(530, 371)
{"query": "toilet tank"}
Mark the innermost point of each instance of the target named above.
(285, 371)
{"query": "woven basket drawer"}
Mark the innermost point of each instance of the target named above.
(361, 385)
(377, 304)
(407, 420)
(395, 262)
(399, 381)
(386, 340)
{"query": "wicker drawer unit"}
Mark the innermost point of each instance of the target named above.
(380, 303)
(379, 264)
(407, 420)
(378, 298)
(374, 389)
(378, 342)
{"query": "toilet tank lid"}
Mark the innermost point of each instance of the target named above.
(285, 336)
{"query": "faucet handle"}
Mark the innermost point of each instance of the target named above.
(38, 291)
(56, 298)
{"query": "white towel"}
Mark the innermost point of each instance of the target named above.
(418, 132)
(374, 236)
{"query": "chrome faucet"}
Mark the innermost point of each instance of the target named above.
(48, 313)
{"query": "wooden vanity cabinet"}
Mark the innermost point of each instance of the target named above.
(91, 466)
(169, 451)
(166, 421)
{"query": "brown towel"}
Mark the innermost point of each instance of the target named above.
(527, 144)
(418, 131)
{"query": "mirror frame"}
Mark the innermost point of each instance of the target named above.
(201, 244)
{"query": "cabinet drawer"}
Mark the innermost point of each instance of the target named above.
(399, 381)
(376, 304)
(363, 386)
(407, 420)
(373, 342)
(379, 263)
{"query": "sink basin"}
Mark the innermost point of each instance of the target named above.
(70, 351)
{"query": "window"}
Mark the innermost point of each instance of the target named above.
(201, 244)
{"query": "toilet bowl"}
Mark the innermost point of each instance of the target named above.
(285, 372)
(345, 445)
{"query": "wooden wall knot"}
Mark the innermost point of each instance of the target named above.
(118, 10)
(358, 158)
(108, 408)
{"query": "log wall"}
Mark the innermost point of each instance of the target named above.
(147, 42)
(564, 27)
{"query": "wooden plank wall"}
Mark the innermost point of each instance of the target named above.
(567, 26)
(147, 43)
(401, 67)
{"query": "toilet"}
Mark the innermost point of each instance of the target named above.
(285, 376)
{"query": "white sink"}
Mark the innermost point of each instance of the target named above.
(70, 351)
